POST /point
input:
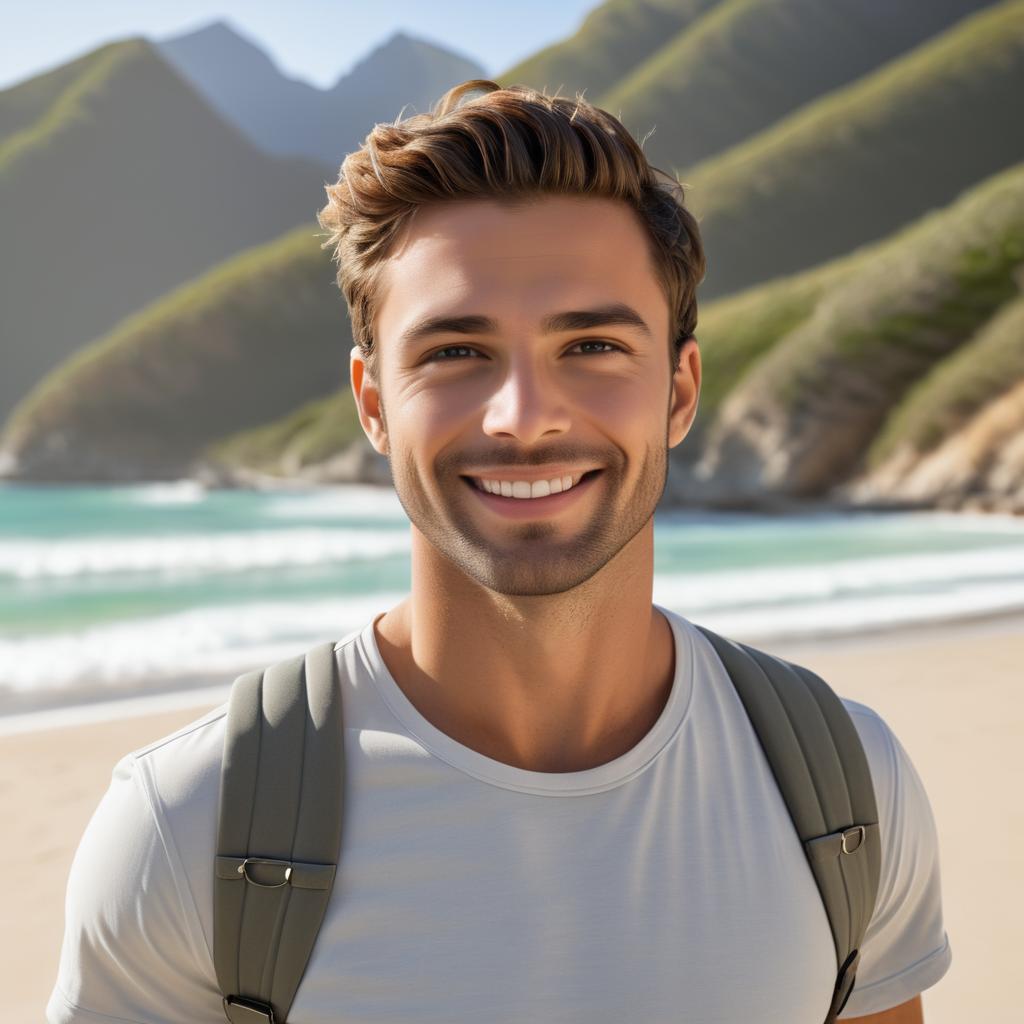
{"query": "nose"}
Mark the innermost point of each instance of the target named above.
(527, 406)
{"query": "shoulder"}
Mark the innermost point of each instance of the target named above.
(876, 737)
(905, 949)
(900, 794)
(182, 766)
(133, 941)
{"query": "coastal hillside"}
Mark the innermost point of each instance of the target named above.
(240, 347)
(843, 363)
(747, 63)
(615, 38)
(320, 442)
(866, 159)
(118, 183)
(24, 104)
(288, 117)
(957, 438)
(854, 367)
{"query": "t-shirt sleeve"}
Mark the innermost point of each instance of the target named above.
(131, 952)
(906, 948)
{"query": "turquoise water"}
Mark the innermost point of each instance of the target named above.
(138, 586)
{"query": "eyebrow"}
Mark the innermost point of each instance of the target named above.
(613, 314)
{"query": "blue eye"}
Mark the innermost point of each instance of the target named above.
(440, 353)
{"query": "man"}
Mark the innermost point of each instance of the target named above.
(556, 809)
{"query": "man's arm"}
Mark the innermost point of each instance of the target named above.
(905, 949)
(909, 1012)
(129, 952)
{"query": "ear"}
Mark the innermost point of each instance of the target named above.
(368, 405)
(685, 392)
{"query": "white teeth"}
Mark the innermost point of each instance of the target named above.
(525, 489)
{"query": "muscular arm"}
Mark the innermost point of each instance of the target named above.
(909, 1012)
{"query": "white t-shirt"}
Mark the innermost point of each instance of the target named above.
(668, 884)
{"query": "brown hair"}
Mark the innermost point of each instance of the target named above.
(506, 144)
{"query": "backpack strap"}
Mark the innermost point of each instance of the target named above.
(822, 772)
(279, 831)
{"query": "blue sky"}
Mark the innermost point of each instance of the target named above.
(312, 39)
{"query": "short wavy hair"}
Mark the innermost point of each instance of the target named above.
(508, 144)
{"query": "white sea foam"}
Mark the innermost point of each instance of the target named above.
(214, 642)
(812, 619)
(174, 492)
(763, 588)
(238, 550)
(339, 502)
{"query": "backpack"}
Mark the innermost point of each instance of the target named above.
(278, 841)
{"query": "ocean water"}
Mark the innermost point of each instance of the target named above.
(108, 592)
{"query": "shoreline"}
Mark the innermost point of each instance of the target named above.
(195, 691)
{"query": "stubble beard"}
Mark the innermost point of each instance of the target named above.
(531, 560)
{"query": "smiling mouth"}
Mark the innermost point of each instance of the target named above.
(477, 484)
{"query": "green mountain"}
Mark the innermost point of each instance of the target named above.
(747, 63)
(239, 347)
(860, 162)
(860, 341)
(24, 104)
(957, 437)
(118, 183)
(958, 388)
(883, 351)
(613, 39)
(320, 442)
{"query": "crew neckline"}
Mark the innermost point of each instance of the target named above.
(590, 780)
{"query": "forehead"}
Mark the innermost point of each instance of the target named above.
(516, 261)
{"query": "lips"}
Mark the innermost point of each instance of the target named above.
(531, 508)
(477, 482)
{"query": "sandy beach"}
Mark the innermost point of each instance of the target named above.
(952, 694)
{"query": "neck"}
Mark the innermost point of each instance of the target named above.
(555, 683)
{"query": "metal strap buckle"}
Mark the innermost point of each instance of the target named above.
(243, 1010)
(857, 831)
(243, 869)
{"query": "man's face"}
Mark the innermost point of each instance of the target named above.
(514, 400)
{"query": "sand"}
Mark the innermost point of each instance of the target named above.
(952, 695)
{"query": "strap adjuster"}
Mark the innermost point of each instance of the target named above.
(281, 868)
(857, 832)
(243, 1010)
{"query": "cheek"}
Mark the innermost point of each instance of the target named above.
(425, 421)
(623, 404)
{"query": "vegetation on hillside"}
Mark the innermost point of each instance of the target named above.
(745, 64)
(312, 434)
(978, 373)
(806, 411)
(236, 348)
(613, 39)
(124, 187)
(862, 161)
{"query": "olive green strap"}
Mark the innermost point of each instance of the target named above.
(816, 756)
(279, 831)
